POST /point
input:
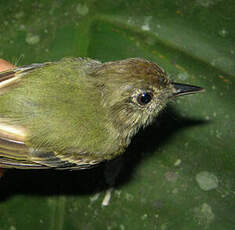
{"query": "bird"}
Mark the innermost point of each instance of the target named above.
(78, 112)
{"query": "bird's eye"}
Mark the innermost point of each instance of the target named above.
(144, 98)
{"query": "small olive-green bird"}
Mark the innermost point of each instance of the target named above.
(77, 112)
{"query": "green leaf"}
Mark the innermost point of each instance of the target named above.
(176, 174)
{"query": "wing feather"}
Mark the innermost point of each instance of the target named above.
(14, 152)
(10, 77)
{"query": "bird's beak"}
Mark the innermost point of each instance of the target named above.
(184, 89)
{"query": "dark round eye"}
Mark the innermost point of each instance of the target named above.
(144, 98)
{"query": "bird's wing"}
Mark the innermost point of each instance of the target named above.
(14, 152)
(11, 77)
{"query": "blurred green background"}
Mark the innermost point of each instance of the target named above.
(177, 174)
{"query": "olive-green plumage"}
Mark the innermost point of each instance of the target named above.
(77, 112)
